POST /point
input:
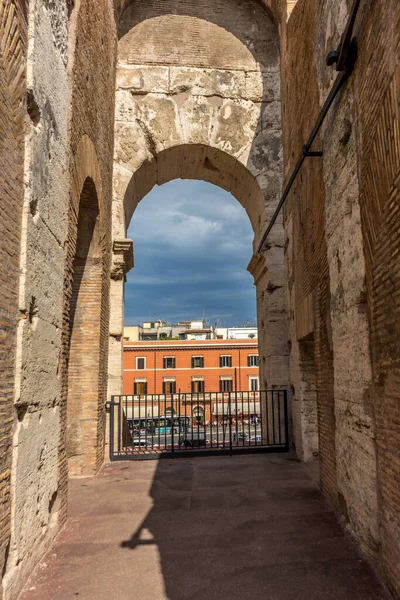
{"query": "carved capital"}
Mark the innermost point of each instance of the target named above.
(257, 267)
(122, 261)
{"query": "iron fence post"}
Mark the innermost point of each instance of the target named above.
(285, 399)
(111, 449)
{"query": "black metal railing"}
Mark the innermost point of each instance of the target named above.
(152, 425)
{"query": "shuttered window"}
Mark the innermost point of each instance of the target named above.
(197, 362)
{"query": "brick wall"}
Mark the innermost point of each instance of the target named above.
(377, 85)
(343, 222)
(13, 42)
(86, 314)
(309, 277)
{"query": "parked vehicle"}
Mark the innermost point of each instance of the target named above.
(192, 438)
(141, 441)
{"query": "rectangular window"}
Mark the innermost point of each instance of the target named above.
(140, 387)
(197, 362)
(225, 360)
(140, 362)
(197, 386)
(225, 385)
(169, 362)
(169, 386)
(252, 360)
(253, 384)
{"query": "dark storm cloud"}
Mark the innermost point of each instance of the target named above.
(192, 244)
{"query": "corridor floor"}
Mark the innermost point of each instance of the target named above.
(246, 527)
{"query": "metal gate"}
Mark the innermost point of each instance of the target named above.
(171, 425)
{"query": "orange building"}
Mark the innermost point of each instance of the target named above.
(190, 366)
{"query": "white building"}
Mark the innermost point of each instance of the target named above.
(236, 333)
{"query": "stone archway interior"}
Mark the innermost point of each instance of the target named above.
(85, 396)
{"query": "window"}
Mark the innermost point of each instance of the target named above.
(197, 386)
(197, 362)
(169, 362)
(225, 360)
(252, 360)
(225, 384)
(140, 387)
(140, 362)
(253, 384)
(169, 386)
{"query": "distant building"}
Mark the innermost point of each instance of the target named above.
(154, 324)
(165, 367)
(236, 333)
(198, 329)
(132, 333)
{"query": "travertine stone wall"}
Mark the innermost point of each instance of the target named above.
(198, 96)
(13, 48)
(306, 252)
(343, 233)
(35, 501)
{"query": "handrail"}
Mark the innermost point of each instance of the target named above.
(345, 58)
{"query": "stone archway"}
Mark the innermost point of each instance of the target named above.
(207, 111)
(85, 316)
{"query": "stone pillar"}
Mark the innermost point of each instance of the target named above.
(122, 263)
(272, 330)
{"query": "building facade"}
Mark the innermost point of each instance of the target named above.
(190, 366)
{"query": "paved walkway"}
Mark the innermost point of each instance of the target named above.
(248, 527)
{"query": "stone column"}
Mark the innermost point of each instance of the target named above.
(272, 331)
(122, 263)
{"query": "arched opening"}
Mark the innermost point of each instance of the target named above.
(210, 111)
(86, 396)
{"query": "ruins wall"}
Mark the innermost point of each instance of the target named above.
(14, 39)
(34, 489)
(350, 199)
(39, 241)
(93, 45)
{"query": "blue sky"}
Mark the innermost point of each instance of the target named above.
(192, 243)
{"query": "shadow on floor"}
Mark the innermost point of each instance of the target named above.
(221, 528)
(249, 527)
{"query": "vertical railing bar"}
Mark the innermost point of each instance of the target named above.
(279, 417)
(217, 407)
(248, 419)
(242, 421)
(236, 418)
(273, 417)
(266, 417)
(172, 424)
(211, 421)
(187, 430)
(145, 422)
(198, 424)
(112, 428)
(230, 421)
(285, 397)
(152, 422)
(255, 418)
(119, 425)
(165, 423)
(158, 422)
